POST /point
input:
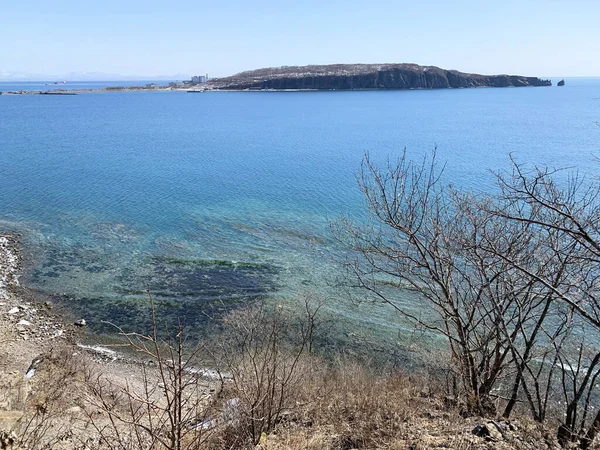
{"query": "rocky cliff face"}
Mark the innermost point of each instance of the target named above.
(366, 76)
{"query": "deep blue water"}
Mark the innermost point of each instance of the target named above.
(217, 198)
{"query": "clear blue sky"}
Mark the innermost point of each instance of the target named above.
(134, 37)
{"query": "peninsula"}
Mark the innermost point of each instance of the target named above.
(333, 77)
(364, 77)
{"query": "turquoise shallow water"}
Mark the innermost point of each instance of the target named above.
(219, 198)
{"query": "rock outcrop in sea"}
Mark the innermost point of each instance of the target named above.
(365, 76)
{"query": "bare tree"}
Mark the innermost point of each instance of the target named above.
(566, 214)
(463, 262)
(164, 411)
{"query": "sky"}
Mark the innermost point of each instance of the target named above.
(161, 38)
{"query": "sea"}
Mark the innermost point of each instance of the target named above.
(28, 86)
(212, 201)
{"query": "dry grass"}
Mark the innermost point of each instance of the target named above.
(350, 406)
(284, 399)
(334, 406)
(50, 399)
(353, 407)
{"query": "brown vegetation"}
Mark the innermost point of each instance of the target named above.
(510, 279)
(272, 393)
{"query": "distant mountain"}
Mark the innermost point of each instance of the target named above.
(101, 76)
(6, 75)
(365, 76)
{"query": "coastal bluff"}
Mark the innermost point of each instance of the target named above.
(365, 77)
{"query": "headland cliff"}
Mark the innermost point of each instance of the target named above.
(365, 76)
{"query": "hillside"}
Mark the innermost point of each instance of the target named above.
(365, 76)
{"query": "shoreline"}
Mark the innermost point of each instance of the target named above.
(75, 383)
(24, 315)
(209, 90)
(91, 91)
(36, 316)
(38, 337)
(10, 263)
(29, 315)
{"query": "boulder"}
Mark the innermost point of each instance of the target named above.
(8, 441)
(491, 431)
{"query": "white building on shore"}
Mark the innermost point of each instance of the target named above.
(200, 79)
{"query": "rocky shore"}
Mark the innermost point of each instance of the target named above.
(41, 355)
(21, 317)
(10, 263)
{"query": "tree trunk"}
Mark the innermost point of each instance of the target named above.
(587, 441)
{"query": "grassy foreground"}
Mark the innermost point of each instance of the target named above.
(269, 389)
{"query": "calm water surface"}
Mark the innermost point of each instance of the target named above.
(218, 198)
(15, 86)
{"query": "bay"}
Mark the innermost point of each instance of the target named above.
(218, 199)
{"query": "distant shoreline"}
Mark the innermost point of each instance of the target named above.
(92, 90)
(199, 91)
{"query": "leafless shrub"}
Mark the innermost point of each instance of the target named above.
(433, 239)
(265, 350)
(567, 217)
(504, 278)
(45, 422)
(359, 407)
(166, 406)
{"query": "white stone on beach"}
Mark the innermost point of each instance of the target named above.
(57, 333)
(99, 350)
(14, 310)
